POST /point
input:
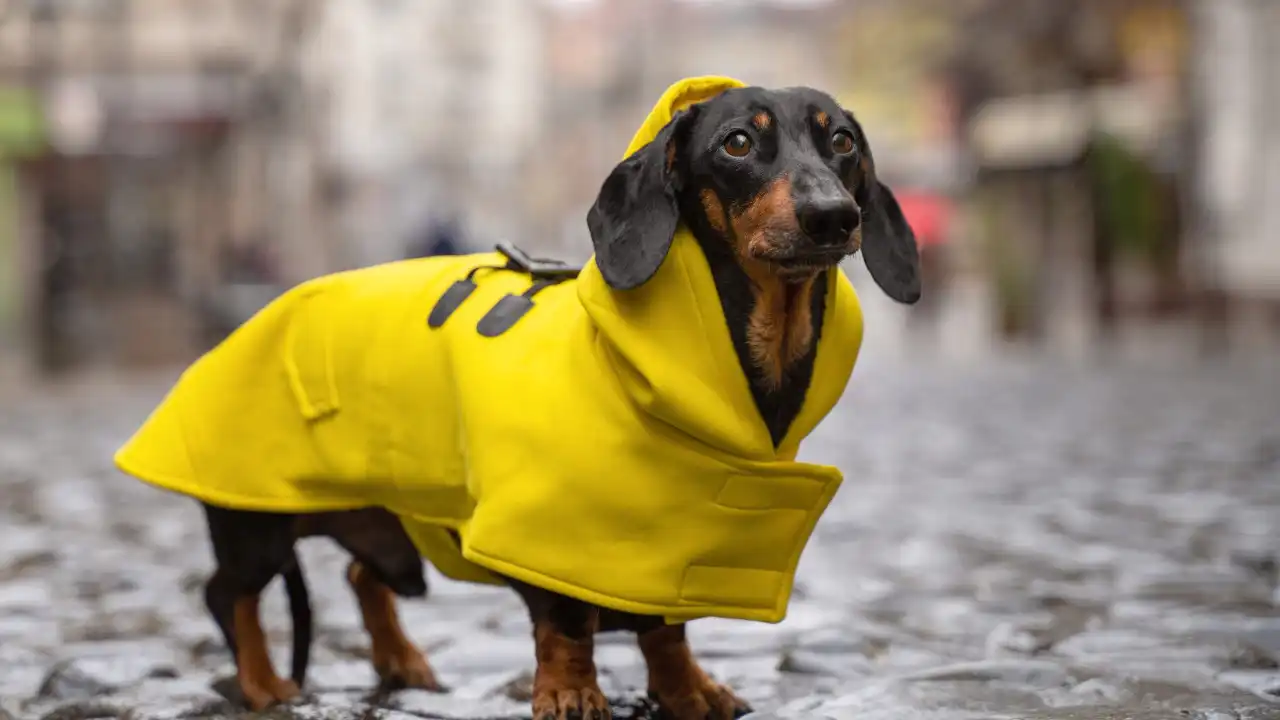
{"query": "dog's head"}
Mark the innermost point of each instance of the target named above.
(786, 176)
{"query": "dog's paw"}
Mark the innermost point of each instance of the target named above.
(566, 704)
(268, 692)
(704, 701)
(408, 669)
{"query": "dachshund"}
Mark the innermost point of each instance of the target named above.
(776, 186)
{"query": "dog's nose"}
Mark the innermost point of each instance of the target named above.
(828, 222)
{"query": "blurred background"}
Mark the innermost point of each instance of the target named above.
(1060, 466)
(1076, 172)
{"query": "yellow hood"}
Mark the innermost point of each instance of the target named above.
(715, 403)
(606, 447)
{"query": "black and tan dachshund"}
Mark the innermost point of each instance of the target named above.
(777, 186)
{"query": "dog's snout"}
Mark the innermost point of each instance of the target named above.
(828, 221)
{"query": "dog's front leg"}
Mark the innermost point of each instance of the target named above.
(681, 687)
(564, 685)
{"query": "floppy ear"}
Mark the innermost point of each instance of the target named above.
(888, 244)
(635, 215)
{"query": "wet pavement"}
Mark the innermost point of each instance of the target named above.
(1014, 539)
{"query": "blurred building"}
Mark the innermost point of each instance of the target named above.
(429, 109)
(1077, 120)
(1127, 156)
(168, 165)
(182, 161)
(1238, 90)
(608, 60)
(160, 140)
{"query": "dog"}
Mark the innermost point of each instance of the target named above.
(735, 202)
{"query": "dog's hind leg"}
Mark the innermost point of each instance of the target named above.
(220, 598)
(250, 549)
(386, 564)
(397, 660)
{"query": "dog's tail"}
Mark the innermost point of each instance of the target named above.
(295, 586)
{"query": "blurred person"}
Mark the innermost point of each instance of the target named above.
(57, 284)
(250, 262)
(441, 236)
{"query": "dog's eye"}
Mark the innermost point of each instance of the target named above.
(842, 142)
(738, 144)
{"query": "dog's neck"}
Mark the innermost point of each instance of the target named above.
(774, 325)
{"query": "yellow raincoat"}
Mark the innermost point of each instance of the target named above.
(606, 447)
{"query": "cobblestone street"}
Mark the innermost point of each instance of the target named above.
(1013, 540)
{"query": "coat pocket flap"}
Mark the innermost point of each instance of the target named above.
(308, 359)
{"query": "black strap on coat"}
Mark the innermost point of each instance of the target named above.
(511, 307)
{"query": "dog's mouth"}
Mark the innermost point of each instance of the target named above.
(796, 257)
(799, 265)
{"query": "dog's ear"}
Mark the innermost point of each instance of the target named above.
(889, 246)
(635, 215)
(888, 243)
